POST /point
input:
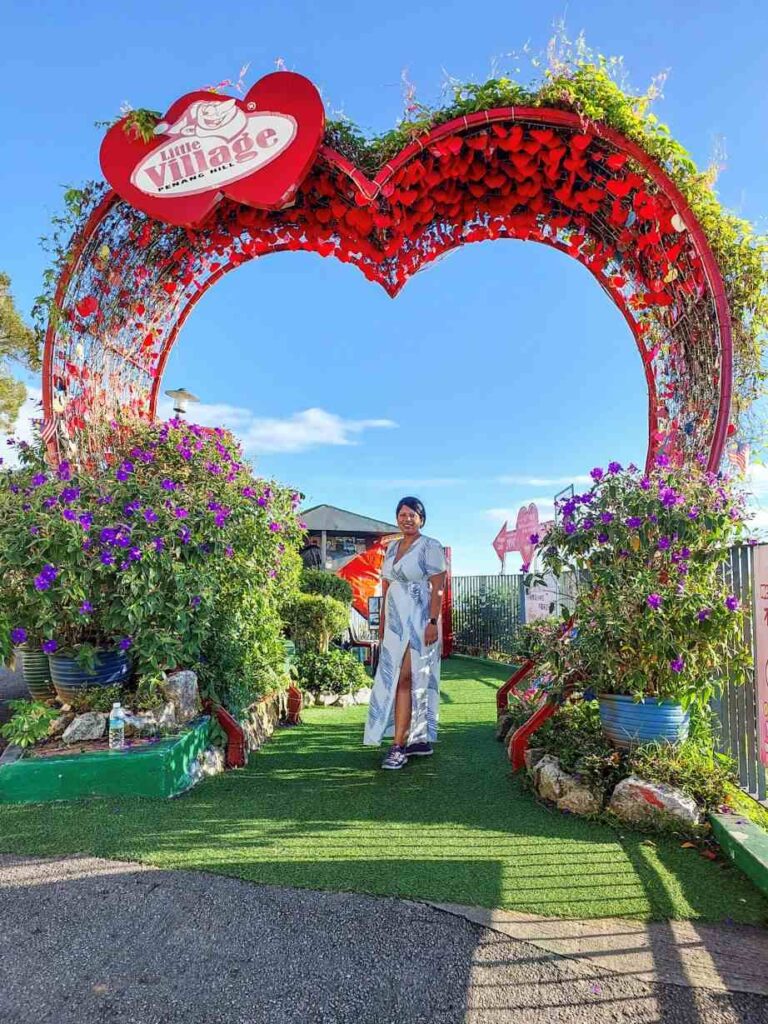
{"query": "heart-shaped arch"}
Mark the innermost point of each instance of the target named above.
(534, 174)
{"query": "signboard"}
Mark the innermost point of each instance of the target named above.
(255, 151)
(539, 598)
(519, 539)
(761, 647)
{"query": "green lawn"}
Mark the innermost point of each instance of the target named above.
(313, 809)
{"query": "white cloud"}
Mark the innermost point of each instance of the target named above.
(310, 428)
(22, 428)
(539, 481)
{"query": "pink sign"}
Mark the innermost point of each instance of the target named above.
(519, 539)
(761, 647)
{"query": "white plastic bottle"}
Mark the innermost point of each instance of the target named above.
(116, 727)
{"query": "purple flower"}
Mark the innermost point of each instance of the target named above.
(107, 558)
(569, 527)
(704, 614)
(275, 527)
(124, 566)
(63, 472)
(38, 479)
(18, 635)
(602, 538)
(662, 460)
(221, 517)
(654, 601)
(134, 554)
(248, 492)
(732, 603)
(34, 530)
(49, 646)
(633, 522)
(48, 503)
(184, 535)
(46, 577)
(606, 517)
(180, 513)
(168, 485)
(195, 601)
(596, 474)
(69, 494)
(677, 664)
(614, 467)
(229, 551)
(645, 484)
(131, 507)
(85, 608)
(69, 514)
(124, 471)
(664, 543)
(534, 538)
(150, 515)
(123, 540)
(108, 535)
(693, 512)
(668, 497)
(159, 543)
(125, 643)
(523, 568)
(588, 524)
(86, 520)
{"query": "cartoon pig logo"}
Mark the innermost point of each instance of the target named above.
(208, 119)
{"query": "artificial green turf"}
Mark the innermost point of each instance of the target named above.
(312, 809)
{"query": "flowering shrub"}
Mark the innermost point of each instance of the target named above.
(657, 616)
(147, 552)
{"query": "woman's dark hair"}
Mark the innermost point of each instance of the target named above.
(415, 505)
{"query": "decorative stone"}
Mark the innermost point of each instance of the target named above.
(346, 700)
(180, 688)
(309, 698)
(211, 761)
(564, 790)
(260, 721)
(166, 717)
(532, 757)
(503, 726)
(636, 801)
(59, 725)
(363, 695)
(140, 723)
(90, 726)
(327, 699)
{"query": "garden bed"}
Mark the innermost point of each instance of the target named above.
(160, 768)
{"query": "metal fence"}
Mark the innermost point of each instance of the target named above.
(485, 613)
(736, 710)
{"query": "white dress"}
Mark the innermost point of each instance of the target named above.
(406, 618)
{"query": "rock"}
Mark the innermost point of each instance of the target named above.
(140, 723)
(261, 720)
(503, 726)
(363, 695)
(564, 790)
(309, 698)
(211, 761)
(180, 688)
(166, 717)
(90, 726)
(59, 725)
(532, 757)
(639, 802)
(327, 699)
(346, 700)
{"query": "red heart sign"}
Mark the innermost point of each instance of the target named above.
(255, 151)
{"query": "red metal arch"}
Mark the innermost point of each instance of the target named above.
(110, 346)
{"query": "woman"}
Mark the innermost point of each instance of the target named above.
(406, 691)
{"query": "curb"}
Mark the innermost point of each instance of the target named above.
(745, 843)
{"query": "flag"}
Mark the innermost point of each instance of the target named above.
(48, 430)
(738, 455)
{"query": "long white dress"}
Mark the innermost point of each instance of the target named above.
(406, 618)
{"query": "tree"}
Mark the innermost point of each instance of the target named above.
(18, 343)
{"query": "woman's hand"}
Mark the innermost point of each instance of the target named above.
(430, 635)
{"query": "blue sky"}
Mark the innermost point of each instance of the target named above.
(498, 374)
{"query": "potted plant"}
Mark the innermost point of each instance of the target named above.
(656, 617)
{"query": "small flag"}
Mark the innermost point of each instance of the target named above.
(738, 455)
(48, 431)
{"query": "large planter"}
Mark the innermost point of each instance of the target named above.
(70, 678)
(627, 722)
(36, 672)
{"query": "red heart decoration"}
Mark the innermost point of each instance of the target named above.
(255, 151)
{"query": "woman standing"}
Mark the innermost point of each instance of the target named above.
(406, 690)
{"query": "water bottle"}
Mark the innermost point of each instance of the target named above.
(116, 727)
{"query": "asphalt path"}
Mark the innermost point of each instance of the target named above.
(84, 940)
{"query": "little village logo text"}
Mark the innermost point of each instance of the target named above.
(213, 142)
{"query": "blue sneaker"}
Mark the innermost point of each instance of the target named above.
(396, 758)
(419, 750)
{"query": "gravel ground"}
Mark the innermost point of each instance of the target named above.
(85, 941)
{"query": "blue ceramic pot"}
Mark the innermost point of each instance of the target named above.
(36, 672)
(627, 723)
(70, 678)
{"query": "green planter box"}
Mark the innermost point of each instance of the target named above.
(160, 769)
(745, 843)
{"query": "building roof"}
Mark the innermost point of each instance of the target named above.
(338, 520)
